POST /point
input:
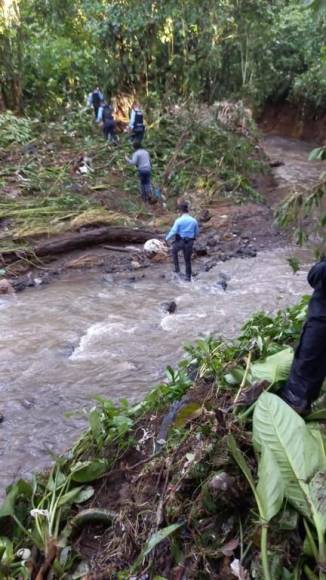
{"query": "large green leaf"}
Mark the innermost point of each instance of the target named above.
(76, 495)
(19, 489)
(85, 471)
(317, 490)
(270, 488)
(274, 368)
(269, 492)
(295, 450)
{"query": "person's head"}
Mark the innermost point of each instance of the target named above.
(183, 206)
(136, 105)
(137, 145)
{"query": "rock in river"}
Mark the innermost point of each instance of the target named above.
(6, 287)
(169, 307)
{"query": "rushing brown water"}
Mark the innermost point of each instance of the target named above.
(63, 344)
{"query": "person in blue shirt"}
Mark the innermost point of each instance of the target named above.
(184, 230)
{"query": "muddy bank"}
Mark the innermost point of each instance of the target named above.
(227, 231)
(287, 120)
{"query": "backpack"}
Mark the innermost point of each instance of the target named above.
(107, 114)
(96, 99)
(139, 121)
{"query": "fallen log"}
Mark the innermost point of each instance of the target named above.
(117, 248)
(74, 241)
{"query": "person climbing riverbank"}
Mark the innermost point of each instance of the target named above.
(184, 230)
(136, 124)
(308, 370)
(95, 99)
(105, 116)
(141, 159)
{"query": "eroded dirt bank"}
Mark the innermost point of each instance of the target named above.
(287, 120)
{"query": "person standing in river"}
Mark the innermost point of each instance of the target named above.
(308, 370)
(141, 159)
(184, 230)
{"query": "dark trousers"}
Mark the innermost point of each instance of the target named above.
(137, 135)
(109, 133)
(184, 245)
(308, 370)
(96, 108)
(145, 184)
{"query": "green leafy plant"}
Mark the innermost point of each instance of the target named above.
(14, 129)
(298, 459)
(268, 493)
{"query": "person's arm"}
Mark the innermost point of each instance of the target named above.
(132, 160)
(196, 230)
(173, 231)
(90, 99)
(99, 115)
(317, 274)
(132, 119)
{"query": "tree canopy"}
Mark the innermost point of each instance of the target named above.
(53, 52)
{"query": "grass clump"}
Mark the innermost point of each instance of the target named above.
(14, 129)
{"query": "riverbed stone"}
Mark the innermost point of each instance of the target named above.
(200, 250)
(169, 307)
(6, 287)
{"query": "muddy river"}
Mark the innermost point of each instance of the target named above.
(63, 344)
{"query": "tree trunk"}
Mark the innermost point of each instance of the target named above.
(73, 241)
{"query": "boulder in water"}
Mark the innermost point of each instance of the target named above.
(6, 287)
(223, 281)
(169, 307)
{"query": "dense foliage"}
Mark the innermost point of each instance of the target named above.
(52, 53)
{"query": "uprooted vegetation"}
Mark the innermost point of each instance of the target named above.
(43, 189)
(305, 211)
(211, 476)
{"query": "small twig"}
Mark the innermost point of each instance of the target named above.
(244, 379)
(115, 248)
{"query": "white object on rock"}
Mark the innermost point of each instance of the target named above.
(155, 248)
(24, 554)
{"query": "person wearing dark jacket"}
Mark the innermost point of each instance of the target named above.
(95, 99)
(105, 116)
(136, 124)
(184, 230)
(308, 370)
